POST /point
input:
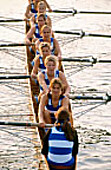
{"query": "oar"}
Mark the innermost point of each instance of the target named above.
(91, 60)
(106, 98)
(75, 11)
(11, 20)
(83, 34)
(15, 77)
(23, 124)
(15, 44)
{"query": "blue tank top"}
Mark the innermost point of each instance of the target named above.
(56, 74)
(33, 10)
(49, 105)
(60, 149)
(36, 33)
(52, 45)
(41, 65)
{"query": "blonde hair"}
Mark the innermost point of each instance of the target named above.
(51, 58)
(41, 3)
(45, 26)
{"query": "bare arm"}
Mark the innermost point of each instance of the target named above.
(57, 49)
(35, 67)
(27, 13)
(75, 162)
(30, 35)
(49, 22)
(65, 103)
(42, 108)
(48, 6)
(42, 82)
(65, 83)
(32, 20)
(37, 44)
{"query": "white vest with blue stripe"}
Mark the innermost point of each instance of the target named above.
(36, 33)
(41, 65)
(60, 149)
(49, 105)
(33, 10)
(56, 75)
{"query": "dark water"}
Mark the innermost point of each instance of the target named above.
(19, 147)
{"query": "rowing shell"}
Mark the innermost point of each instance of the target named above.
(34, 93)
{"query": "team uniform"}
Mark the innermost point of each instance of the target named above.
(53, 109)
(37, 35)
(56, 75)
(59, 151)
(33, 10)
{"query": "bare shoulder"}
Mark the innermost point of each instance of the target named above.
(40, 75)
(36, 59)
(44, 98)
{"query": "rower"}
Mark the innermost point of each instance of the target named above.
(35, 29)
(51, 72)
(60, 146)
(46, 33)
(50, 102)
(41, 8)
(35, 32)
(38, 62)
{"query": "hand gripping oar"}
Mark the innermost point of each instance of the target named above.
(15, 77)
(82, 34)
(75, 11)
(106, 98)
(23, 124)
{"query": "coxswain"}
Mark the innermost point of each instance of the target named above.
(60, 145)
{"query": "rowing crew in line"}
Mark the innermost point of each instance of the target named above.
(60, 145)
(45, 36)
(41, 8)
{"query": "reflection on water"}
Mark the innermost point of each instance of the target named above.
(19, 146)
